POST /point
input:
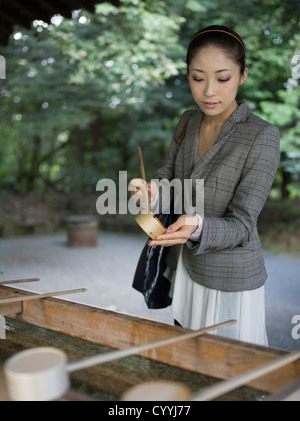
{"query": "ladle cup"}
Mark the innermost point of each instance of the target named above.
(38, 374)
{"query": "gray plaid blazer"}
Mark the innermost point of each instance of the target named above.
(238, 172)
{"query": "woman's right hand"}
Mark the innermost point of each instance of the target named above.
(145, 192)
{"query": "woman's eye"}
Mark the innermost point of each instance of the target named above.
(224, 80)
(197, 79)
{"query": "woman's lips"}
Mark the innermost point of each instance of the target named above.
(211, 104)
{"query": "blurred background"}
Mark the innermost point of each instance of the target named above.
(85, 86)
(81, 93)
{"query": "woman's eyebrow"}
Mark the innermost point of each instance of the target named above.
(217, 71)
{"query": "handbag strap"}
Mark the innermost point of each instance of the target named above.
(182, 134)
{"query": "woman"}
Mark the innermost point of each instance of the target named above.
(216, 263)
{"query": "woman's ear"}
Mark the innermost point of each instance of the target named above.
(244, 76)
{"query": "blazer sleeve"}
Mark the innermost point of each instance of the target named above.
(236, 227)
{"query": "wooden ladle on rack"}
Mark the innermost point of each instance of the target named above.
(146, 219)
(40, 374)
(173, 391)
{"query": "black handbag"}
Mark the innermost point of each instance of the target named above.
(149, 276)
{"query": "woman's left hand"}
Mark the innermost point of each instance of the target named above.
(177, 233)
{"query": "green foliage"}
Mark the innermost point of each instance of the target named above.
(81, 94)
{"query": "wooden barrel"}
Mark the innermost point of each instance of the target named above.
(82, 230)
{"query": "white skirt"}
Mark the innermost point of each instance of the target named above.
(195, 307)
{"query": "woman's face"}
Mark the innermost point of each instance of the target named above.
(214, 80)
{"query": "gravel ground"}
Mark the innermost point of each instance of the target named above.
(107, 271)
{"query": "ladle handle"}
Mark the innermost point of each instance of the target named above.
(115, 355)
(143, 174)
(142, 168)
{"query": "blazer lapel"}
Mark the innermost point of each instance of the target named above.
(240, 114)
(190, 143)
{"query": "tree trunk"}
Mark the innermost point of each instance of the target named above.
(286, 179)
(33, 170)
(29, 166)
(96, 133)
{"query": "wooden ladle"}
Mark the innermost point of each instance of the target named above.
(146, 219)
(41, 374)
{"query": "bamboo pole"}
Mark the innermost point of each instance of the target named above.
(114, 355)
(226, 386)
(38, 296)
(17, 281)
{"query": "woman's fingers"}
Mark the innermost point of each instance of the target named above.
(143, 191)
(178, 232)
(138, 187)
(137, 184)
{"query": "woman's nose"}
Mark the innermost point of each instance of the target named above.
(210, 88)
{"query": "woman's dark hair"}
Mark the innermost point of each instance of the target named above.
(222, 37)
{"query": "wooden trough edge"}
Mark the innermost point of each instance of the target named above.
(210, 355)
